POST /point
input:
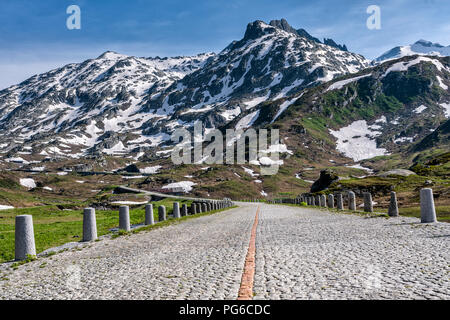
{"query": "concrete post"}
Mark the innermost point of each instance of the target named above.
(323, 200)
(313, 201)
(24, 237)
(162, 213)
(176, 210)
(331, 201)
(124, 218)
(351, 201)
(184, 210)
(427, 209)
(318, 200)
(368, 204)
(393, 206)
(199, 208)
(205, 207)
(193, 208)
(340, 201)
(89, 225)
(149, 218)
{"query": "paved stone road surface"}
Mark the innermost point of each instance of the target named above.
(310, 254)
(300, 254)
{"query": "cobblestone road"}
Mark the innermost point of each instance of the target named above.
(300, 254)
(200, 258)
(310, 254)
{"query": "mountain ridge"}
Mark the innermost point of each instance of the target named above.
(117, 104)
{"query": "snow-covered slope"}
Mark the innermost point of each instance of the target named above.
(76, 104)
(383, 110)
(118, 105)
(269, 63)
(421, 47)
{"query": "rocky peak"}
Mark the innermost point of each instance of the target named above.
(256, 29)
(332, 43)
(426, 43)
(284, 25)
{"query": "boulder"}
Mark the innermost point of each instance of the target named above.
(327, 177)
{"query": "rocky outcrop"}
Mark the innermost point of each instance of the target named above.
(327, 177)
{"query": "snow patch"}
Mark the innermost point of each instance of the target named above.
(186, 186)
(340, 84)
(28, 183)
(150, 170)
(446, 107)
(356, 141)
(420, 109)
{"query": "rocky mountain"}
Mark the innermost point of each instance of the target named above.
(122, 105)
(400, 106)
(69, 108)
(422, 47)
(271, 62)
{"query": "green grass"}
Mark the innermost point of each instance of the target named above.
(442, 212)
(399, 183)
(54, 227)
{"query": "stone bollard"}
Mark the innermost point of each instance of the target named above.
(149, 218)
(393, 206)
(184, 210)
(351, 201)
(124, 218)
(24, 237)
(340, 201)
(331, 201)
(323, 200)
(176, 210)
(199, 208)
(368, 204)
(89, 225)
(318, 201)
(209, 206)
(427, 209)
(313, 201)
(193, 208)
(162, 213)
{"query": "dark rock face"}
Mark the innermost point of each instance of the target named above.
(439, 137)
(327, 177)
(330, 42)
(132, 168)
(283, 25)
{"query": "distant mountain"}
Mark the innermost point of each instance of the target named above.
(420, 47)
(400, 106)
(122, 105)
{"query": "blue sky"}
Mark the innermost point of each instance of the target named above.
(34, 37)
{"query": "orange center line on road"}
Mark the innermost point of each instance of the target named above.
(246, 288)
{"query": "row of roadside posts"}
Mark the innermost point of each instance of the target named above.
(427, 208)
(24, 231)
